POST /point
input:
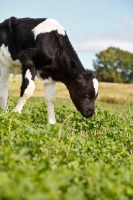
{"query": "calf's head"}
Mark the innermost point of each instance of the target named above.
(83, 91)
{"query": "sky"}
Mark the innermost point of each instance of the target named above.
(91, 25)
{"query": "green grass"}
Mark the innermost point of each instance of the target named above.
(76, 159)
(111, 107)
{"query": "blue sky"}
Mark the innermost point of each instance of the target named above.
(92, 25)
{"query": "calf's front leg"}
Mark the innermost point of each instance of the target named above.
(50, 93)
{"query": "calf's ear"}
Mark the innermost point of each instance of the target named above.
(90, 75)
(94, 74)
(74, 68)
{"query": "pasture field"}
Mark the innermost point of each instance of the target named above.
(108, 92)
(76, 159)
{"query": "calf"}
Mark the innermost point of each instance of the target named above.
(41, 47)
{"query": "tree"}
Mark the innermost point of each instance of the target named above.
(114, 65)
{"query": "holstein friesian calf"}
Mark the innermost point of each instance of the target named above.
(40, 47)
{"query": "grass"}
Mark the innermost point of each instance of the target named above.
(75, 159)
(110, 107)
(78, 158)
(116, 93)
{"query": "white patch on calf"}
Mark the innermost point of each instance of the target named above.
(27, 93)
(47, 26)
(50, 93)
(31, 87)
(20, 105)
(14, 66)
(45, 81)
(7, 66)
(4, 85)
(95, 84)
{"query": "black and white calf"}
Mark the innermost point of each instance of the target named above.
(40, 47)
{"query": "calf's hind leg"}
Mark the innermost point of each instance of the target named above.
(4, 86)
(27, 87)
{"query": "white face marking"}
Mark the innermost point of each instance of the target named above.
(95, 84)
(47, 26)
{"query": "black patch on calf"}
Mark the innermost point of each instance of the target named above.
(25, 84)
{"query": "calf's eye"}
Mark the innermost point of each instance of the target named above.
(86, 93)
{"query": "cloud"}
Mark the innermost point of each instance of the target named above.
(128, 21)
(121, 38)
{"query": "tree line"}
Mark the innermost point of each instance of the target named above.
(114, 65)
